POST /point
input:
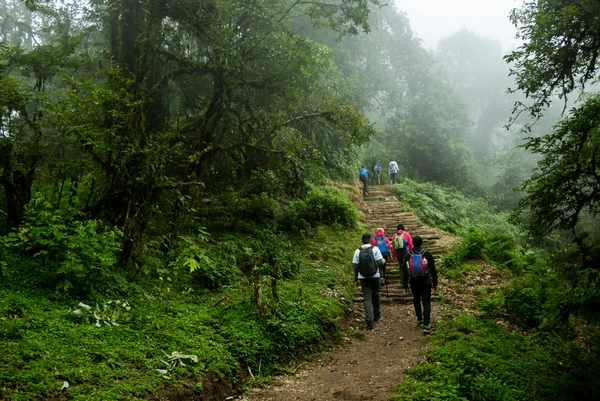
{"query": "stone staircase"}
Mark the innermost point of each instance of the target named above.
(386, 211)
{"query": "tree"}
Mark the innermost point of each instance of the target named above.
(559, 56)
(475, 67)
(560, 50)
(567, 181)
(160, 97)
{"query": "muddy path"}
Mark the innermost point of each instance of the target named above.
(368, 365)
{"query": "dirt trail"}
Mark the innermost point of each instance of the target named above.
(368, 366)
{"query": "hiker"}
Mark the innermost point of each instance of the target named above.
(383, 243)
(377, 173)
(421, 274)
(366, 263)
(364, 178)
(401, 243)
(393, 171)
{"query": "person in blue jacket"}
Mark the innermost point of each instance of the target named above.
(364, 178)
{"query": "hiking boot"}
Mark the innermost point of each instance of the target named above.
(426, 330)
(420, 323)
(370, 326)
(377, 318)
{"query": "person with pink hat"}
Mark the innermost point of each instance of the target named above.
(383, 243)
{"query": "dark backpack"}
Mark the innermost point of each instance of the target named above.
(417, 264)
(367, 266)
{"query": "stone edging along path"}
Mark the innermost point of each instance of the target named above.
(368, 367)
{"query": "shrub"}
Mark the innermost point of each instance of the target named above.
(268, 249)
(450, 209)
(524, 300)
(326, 205)
(264, 182)
(54, 249)
(474, 359)
(207, 267)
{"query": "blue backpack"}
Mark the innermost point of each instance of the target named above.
(378, 167)
(417, 264)
(380, 241)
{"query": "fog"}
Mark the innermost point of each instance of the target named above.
(432, 20)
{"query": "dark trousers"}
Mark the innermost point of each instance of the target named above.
(393, 177)
(382, 269)
(371, 299)
(421, 290)
(400, 254)
(365, 182)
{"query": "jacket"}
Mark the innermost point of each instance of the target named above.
(378, 258)
(381, 233)
(407, 237)
(430, 264)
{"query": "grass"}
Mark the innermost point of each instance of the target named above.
(471, 358)
(475, 358)
(220, 332)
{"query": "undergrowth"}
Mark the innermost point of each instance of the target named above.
(187, 317)
(520, 344)
(470, 358)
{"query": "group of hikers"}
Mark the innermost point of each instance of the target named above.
(417, 272)
(365, 175)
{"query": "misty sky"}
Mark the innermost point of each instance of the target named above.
(432, 20)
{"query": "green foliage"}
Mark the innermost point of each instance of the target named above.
(525, 299)
(472, 359)
(559, 51)
(191, 256)
(44, 345)
(55, 249)
(325, 205)
(414, 105)
(450, 209)
(565, 186)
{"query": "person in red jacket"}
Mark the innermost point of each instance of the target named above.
(400, 246)
(383, 243)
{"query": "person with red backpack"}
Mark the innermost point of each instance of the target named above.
(419, 271)
(402, 242)
(383, 243)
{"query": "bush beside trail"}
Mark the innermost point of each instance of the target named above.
(521, 340)
(188, 319)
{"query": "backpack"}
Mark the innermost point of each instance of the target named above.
(364, 172)
(417, 264)
(393, 167)
(400, 242)
(380, 241)
(367, 266)
(378, 167)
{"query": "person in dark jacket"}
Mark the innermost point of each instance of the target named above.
(421, 285)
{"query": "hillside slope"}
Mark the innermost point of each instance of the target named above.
(369, 364)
